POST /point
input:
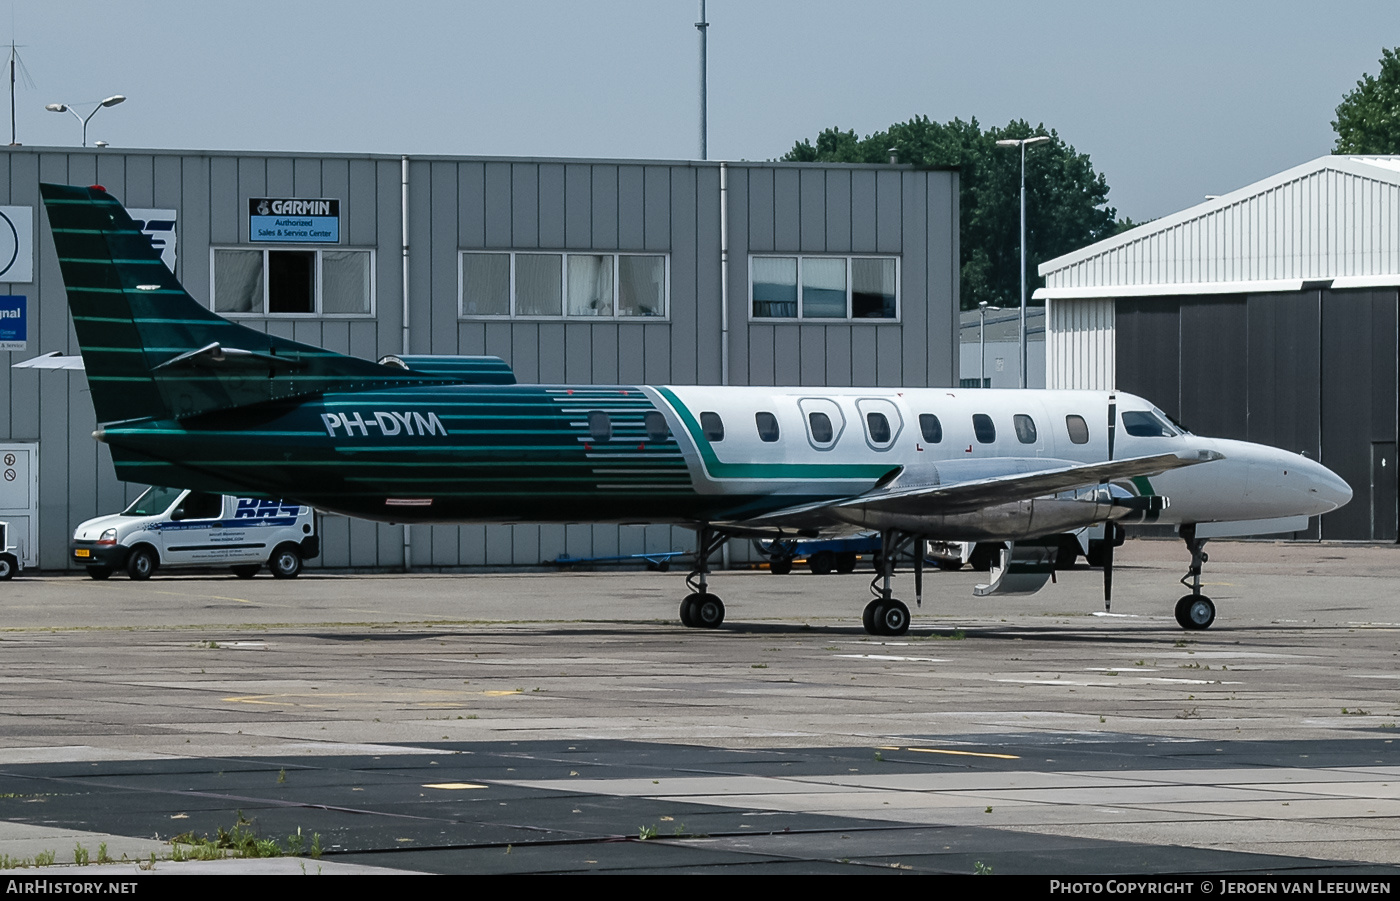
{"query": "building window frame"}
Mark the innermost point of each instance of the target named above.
(319, 253)
(564, 314)
(849, 317)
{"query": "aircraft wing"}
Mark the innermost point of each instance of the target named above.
(939, 497)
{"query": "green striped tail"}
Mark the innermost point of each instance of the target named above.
(153, 351)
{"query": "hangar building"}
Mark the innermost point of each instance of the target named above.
(584, 271)
(1268, 314)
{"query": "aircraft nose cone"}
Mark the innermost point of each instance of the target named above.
(1329, 488)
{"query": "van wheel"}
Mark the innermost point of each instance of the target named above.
(285, 562)
(100, 573)
(8, 564)
(246, 571)
(141, 564)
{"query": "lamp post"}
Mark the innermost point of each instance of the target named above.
(1022, 143)
(982, 309)
(65, 108)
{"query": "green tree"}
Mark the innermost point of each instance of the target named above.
(1066, 200)
(1368, 118)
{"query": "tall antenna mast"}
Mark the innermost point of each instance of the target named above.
(702, 26)
(17, 68)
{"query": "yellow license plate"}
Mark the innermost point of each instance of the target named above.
(80, 552)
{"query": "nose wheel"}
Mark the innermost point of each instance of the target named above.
(886, 617)
(1195, 612)
(702, 611)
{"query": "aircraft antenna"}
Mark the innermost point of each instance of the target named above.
(1110, 529)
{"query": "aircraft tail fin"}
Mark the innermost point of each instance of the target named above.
(153, 351)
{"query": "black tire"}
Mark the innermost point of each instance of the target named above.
(871, 617)
(285, 562)
(822, 562)
(1195, 612)
(780, 566)
(688, 611)
(100, 573)
(9, 565)
(141, 563)
(846, 562)
(246, 570)
(708, 611)
(893, 618)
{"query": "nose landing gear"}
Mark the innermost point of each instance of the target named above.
(1194, 611)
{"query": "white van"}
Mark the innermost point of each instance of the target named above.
(175, 527)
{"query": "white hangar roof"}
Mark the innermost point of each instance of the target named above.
(1335, 220)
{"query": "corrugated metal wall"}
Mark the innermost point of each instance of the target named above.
(1327, 223)
(509, 204)
(1079, 344)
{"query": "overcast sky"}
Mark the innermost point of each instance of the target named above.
(1172, 101)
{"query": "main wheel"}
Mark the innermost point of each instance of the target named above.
(822, 562)
(100, 573)
(874, 612)
(846, 562)
(141, 564)
(246, 570)
(708, 611)
(893, 618)
(688, 610)
(780, 566)
(8, 565)
(1195, 612)
(285, 562)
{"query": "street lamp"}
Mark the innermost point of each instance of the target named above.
(65, 108)
(1022, 142)
(982, 309)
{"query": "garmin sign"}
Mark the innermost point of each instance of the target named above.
(287, 220)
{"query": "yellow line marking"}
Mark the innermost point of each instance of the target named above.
(453, 785)
(964, 753)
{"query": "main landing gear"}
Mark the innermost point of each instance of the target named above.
(1194, 611)
(700, 609)
(886, 615)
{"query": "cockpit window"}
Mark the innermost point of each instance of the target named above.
(1142, 424)
(712, 426)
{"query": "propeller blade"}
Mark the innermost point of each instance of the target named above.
(1109, 535)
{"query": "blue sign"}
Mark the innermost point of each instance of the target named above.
(286, 220)
(14, 322)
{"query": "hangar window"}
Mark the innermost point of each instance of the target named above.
(824, 288)
(1025, 428)
(983, 428)
(287, 282)
(519, 284)
(931, 428)
(712, 426)
(656, 427)
(1078, 429)
(767, 426)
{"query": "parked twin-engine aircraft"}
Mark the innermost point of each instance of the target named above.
(186, 398)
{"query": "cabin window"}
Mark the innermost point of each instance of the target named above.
(1078, 429)
(1025, 428)
(983, 428)
(828, 287)
(522, 284)
(767, 426)
(879, 427)
(712, 426)
(931, 427)
(599, 426)
(820, 423)
(268, 282)
(655, 423)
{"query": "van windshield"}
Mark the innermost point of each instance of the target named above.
(153, 502)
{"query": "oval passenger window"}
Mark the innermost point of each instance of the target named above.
(767, 426)
(1025, 428)
(712, 426)
(599, 426)
(931, 427)
(820, 424)
(879, 427)
(1078, 429)
(983, 428)
(656, 426)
